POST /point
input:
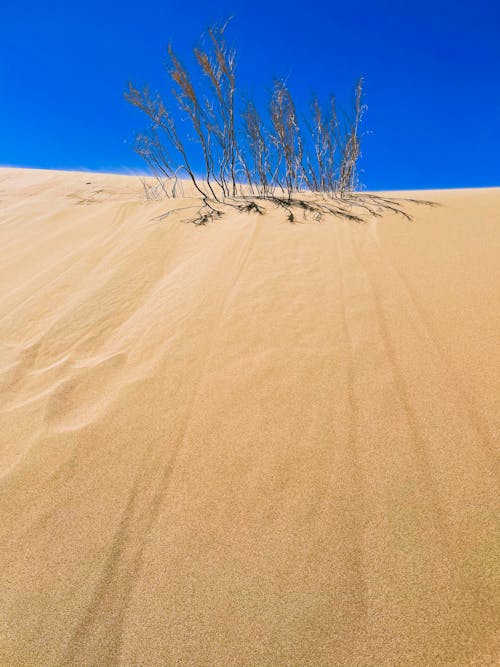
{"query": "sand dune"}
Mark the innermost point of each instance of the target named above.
(246, 444)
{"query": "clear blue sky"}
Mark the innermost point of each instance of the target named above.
(432, 73)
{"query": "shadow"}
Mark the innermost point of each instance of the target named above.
(354, 207)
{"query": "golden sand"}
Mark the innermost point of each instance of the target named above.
(249, 444)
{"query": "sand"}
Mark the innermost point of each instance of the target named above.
(249, 444)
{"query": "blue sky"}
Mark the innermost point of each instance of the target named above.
(432, 77)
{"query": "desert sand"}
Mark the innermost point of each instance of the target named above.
(251, 443)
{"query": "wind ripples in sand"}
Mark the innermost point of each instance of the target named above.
(253, 443)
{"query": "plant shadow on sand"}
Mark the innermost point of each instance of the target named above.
(356, 207)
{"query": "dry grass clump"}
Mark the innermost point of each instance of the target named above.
(308, 164)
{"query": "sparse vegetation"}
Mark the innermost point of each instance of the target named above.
(308, 165)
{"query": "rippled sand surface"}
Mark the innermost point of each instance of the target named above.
(249, 444)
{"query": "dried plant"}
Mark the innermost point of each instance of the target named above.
(348, 177)
(162, 121)
(286, 138)
(189, 102)
(320, 172)
(217, 62)
(254, 152)
(247, 157)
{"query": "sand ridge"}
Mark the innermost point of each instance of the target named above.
(246, 444)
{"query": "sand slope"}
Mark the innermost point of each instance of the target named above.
(247, 444)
